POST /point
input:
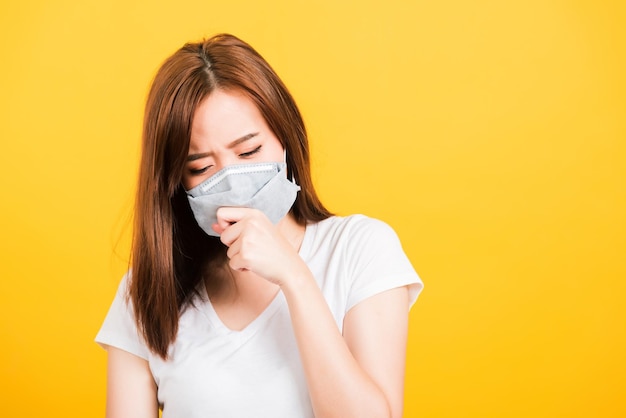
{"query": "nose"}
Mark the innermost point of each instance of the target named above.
(224, 161)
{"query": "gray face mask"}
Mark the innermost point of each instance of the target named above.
(262, 186)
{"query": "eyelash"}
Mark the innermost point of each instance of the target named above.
(242, 155)
(250, 153)
(199, 171)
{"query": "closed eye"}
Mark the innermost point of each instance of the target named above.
(250, 153)
(198, 171)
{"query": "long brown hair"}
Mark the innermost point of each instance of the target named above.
(170, 253)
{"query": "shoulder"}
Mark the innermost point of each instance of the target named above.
(119, 328)
(367, 257)
(354, 227)
(355, 239)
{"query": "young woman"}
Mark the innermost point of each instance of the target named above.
(247, 298)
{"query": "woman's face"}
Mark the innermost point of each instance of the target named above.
(227, 129)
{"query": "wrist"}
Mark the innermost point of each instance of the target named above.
(299, 283)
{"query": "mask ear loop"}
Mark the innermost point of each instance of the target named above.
(290, 172)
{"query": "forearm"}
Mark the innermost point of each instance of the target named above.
(338, 385)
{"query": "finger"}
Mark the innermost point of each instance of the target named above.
(225, 218)
(217, 228)
(231, 233)
(227, 215)
(237, 260)
(238, 263)
(233, 249)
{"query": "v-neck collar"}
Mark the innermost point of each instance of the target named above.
(277, 301)
(249, 329)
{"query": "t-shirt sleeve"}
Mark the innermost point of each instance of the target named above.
(119, 329)
(377, 262)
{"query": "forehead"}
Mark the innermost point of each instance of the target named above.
(224, 116)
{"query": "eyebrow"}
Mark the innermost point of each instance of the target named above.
(193, 157)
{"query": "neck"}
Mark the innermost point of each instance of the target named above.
(291, 230)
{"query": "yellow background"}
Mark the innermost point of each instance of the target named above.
(490, 134)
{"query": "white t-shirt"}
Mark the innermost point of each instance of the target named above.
(213, 371)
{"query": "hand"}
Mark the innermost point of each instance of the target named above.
(256, 245)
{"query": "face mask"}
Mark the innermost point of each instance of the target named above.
(262, 186)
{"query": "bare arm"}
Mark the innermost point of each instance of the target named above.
(362, 373)
(376, 333)
(358, 374)
(131, 390)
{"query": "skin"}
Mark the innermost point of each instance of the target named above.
(357, 374)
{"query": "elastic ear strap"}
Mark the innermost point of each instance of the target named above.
(287, 165)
